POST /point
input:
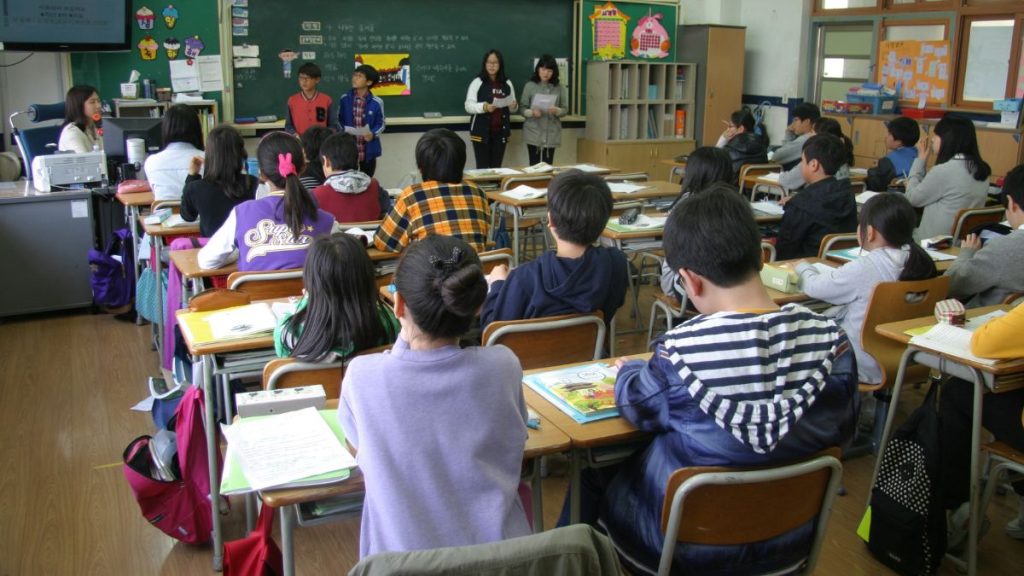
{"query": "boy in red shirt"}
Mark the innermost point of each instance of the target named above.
(348, 194)
(310, 107)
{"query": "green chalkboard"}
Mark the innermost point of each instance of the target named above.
(445, 40)
(106, 70)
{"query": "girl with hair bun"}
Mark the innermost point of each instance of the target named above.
(429, 418)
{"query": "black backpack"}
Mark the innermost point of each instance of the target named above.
(908, 521)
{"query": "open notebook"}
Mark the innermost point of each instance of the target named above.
(954, 340)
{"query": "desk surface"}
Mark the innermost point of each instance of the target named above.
(940, 265)
(159, 230)
(652, 189)
(470, 176)
(760, 179)
(898, 331)
(137, 199)
(187, 263)
(222, 347)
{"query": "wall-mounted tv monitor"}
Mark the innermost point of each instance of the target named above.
(65, 25)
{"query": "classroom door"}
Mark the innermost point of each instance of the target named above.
(724, 85)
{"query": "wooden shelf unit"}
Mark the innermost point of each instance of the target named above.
(147, 108)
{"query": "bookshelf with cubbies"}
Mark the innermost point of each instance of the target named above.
(148, 108)
(632, 112)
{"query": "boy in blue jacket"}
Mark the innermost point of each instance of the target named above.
(903, 133)
(577, 277)
(358, 108)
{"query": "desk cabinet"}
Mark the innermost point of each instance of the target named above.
(632, 156)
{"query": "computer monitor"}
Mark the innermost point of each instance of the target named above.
(117, 130)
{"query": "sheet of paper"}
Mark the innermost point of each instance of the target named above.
(281, 308)
(624, 187)
(772, 208)
(144, 405)
(973, 324)
(184, 77)
(771, 177)
(360, 131)
(287, 447)
(524, 192)
(543, 102)
(503, 102)
(538, 168)
(585, 168)
(242, 321)
(940, 256)
(479, 172)
(360, 233)
(247, 63)
(865, 196)
(211, 75)
(951, 340)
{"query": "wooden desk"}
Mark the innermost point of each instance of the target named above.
(940, 265)
(582, 437)
(760, 180)
(157, 232)
(783, 298)
(983, 376)
(187, 263)
(490, 178)
(134, 204)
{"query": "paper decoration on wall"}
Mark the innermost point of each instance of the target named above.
(650, 39)
(916, 69)
(193, 46)
(148, 48)
(145, 18)
(170, 16)
(394, 74)
(608, 28)
(171, 47)
(286, 57)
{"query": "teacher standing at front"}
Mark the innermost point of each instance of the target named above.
(490, 99)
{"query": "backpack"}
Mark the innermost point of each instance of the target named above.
(112, 279)
(907, 517)
(180, 507)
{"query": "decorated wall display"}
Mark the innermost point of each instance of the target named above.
(193, 47)
(148, 48)
(650, 39)
(170, 15)
(145, 18)
(287, 56)
(608, 29)
(394, 73)
(171, 47)
(918, 70)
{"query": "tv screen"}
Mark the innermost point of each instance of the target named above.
(65, 25)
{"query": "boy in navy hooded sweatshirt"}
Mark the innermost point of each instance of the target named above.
(577, 277)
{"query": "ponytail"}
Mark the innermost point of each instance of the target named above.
(298, 205)
(892, 216)
(281, 161)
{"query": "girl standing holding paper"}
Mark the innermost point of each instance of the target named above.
(545, 101)
(490, 99)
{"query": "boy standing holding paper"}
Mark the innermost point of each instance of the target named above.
(362, 115)
(310, 107)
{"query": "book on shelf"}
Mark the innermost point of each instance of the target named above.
(584, 393)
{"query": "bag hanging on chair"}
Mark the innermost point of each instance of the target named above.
(257, 554)
(145, 291)
(111, 278)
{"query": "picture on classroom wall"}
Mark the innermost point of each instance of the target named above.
(918, 70)
(608, 28)
(394, 70)
(650, 39)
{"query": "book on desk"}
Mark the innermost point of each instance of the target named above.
(237, 322)
(584, 393)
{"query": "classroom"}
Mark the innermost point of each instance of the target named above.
(530, 287)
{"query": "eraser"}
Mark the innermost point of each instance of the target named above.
(431, 114)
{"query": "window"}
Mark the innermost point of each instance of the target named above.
(844, 59)
(915, 30)
(1019, 90)
(837, 5)
(986, 51)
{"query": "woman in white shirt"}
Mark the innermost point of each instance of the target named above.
(182, 138)
(81, 105)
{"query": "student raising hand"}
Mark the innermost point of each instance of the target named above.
(195, 165)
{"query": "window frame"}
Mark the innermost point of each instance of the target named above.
(921, 6)
(962, 44)
(900, 22)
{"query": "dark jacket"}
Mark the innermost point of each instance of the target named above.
(207, 201)
(896, 164)
(373, 117)
(825, 207)
(746, 148)
(479, 93)
(550, 285)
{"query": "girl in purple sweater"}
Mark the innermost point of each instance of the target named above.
(438, 430)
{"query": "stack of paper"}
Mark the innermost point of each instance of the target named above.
(586, 168)
(951, 340)
(524, 192)
(865, 196)
(624, 187)
(940, 256)
(772, 208)
(771, 177)
(484, 172)
(538, 168)
(241, 321)
(289, 450)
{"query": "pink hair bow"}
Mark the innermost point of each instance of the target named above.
(285, 167)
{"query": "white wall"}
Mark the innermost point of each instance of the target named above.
(37, 80)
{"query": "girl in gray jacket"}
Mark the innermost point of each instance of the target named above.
(542, 127)
(958, 180)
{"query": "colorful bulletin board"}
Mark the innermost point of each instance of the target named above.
(916, 69)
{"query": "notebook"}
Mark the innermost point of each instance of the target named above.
(585, 393)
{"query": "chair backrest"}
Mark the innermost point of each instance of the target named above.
(1014, 298)
(968, 219)
(369, 225)
(731, 506)
(217, 298)
(551, 340)
(174, 205)
(292, 373)
(837, 242)
(37, 140)
(759, 169)
(767, 252)
(892, 302)
(628, 177)
(491, 258)
(531, 180)
(267, 285)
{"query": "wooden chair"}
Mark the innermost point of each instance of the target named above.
(968, 219)
(748, 170)
(892, 302)
(491, 258)
(551, 340)
(526, 225)
(217, 298)
(734, 506)
(269, 284)
(293, 373)
(174, 205)
(1014, 298)
(1002, 459)
(767, 252)
(837, 242)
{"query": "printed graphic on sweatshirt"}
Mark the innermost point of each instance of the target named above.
(269, 236)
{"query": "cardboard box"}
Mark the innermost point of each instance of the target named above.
(781, 279)
(844, 107)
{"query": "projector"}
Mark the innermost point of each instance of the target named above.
(64, 169)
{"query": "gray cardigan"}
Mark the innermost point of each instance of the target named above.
(947, 189)
(545, 131)
(986, 276)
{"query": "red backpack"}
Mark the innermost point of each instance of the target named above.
(180, 508)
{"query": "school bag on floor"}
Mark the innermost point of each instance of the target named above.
(111, 276)
(179, 507)
(906, 515)
(257, 554)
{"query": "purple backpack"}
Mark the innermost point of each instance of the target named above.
(112, 281)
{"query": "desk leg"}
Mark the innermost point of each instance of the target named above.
(974, 524)
(893, 402)
(575, 484)
(211, 456)
(159, 298)
(537, 486)
(287, 531)
(133, 226)
(515, 236)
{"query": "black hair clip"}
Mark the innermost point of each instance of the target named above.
(451, 264)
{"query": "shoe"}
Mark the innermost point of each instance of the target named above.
(1015, 528)
(957, 528)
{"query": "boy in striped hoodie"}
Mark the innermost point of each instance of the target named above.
(745, 383)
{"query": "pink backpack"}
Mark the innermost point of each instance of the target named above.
(180, 508)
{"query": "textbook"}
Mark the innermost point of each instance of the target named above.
(643, 223)
(585, 393)
(952, 340)
(228, 323)
(524, 192)
(234, 481)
